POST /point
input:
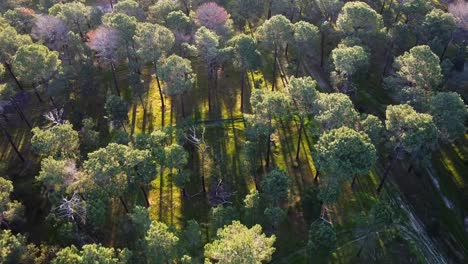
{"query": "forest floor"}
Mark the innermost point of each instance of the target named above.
(437, 195)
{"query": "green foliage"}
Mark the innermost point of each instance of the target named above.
(141, 220)
(268, 105)
(175, 156)
(306, 37)
(92, 253)
(49, 142)
(35, 63)
(10, 42)
(125, 25)
(246, 55)
(177, 73)
(357, 19)
(116, 109)
(13, 247)
(449, 113)
(158, 12)
(238, 244)
(373, 127)
(56, 175)
(275, 186)
(322, 238)
(9, 210)
(303, 92)
(75, 14)
(349, 60)
(152, 41)
(335, 110)
(130, 8)
(438, 27)
(344, 153)
(417, 74)
(276, 32)
(413, 132)
(160, 244)
(222, 215)
(192, 237)
(275, 215)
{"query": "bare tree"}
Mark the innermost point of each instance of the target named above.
(459, 10)
(198, 140)
(52, 31)
(105, 42)
(55, 116)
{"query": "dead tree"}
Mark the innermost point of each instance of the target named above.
(199, 142)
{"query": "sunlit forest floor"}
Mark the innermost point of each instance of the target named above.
(441, 210)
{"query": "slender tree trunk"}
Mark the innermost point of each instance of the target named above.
(253, 79)
(445, 48)
(387, 172)
(269, 9)
(286, 52)
(301, 126)
(132, 129)
(115, 79)
(124, 204)
(161, 182)
(182, 105)
(145, 195)
(298, 65)
(316, 176)
(383, 6)
(10, 139)
(53, 102)
(354, 181)
(36, 92)
(161, 96)
(203, 173)
(273, 84)
(322, 48)
(20, 113)
(10, 71)
(267, 161)
(111, 4)
(242, 91)
(210, 73)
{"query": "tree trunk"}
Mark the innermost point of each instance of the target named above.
(145, 195)
(161, 182)
(322, 47)
(36, 92)
(383, 7)
(316, 176)
(208, 86)
(286, 52)
(10, 139)
(274, 69)
(132, 129)
(203, 173)
(242, 91)
(124, 204)
(115, 79)
(267, 161)
(111, 4)
(253, 79)
(354, 181)
(298, 64)
(161, 96)
(20, 113)
(10, 71)
(182, 105)
(301, 126)
(53, 102)
(387, 171)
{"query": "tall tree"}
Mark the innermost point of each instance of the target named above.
(153, 42)
(335, 110)
(410, 132)
(238, 244)
(275, 34)
(36, 65)
(347, 61)
(10, 210)
(50, 142)
(105, 42)
(92, 253)
(303, 93)
(267, 106)
(160, 244)
(417, 74)
(322, 239)
(10, 42)
(449, 113)
(344, 153)
(438, 27)
(246, 58)
(275, 187)
(177, 74)
(75, 14)
(359, 20)
(306, 41)
(214, 17)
